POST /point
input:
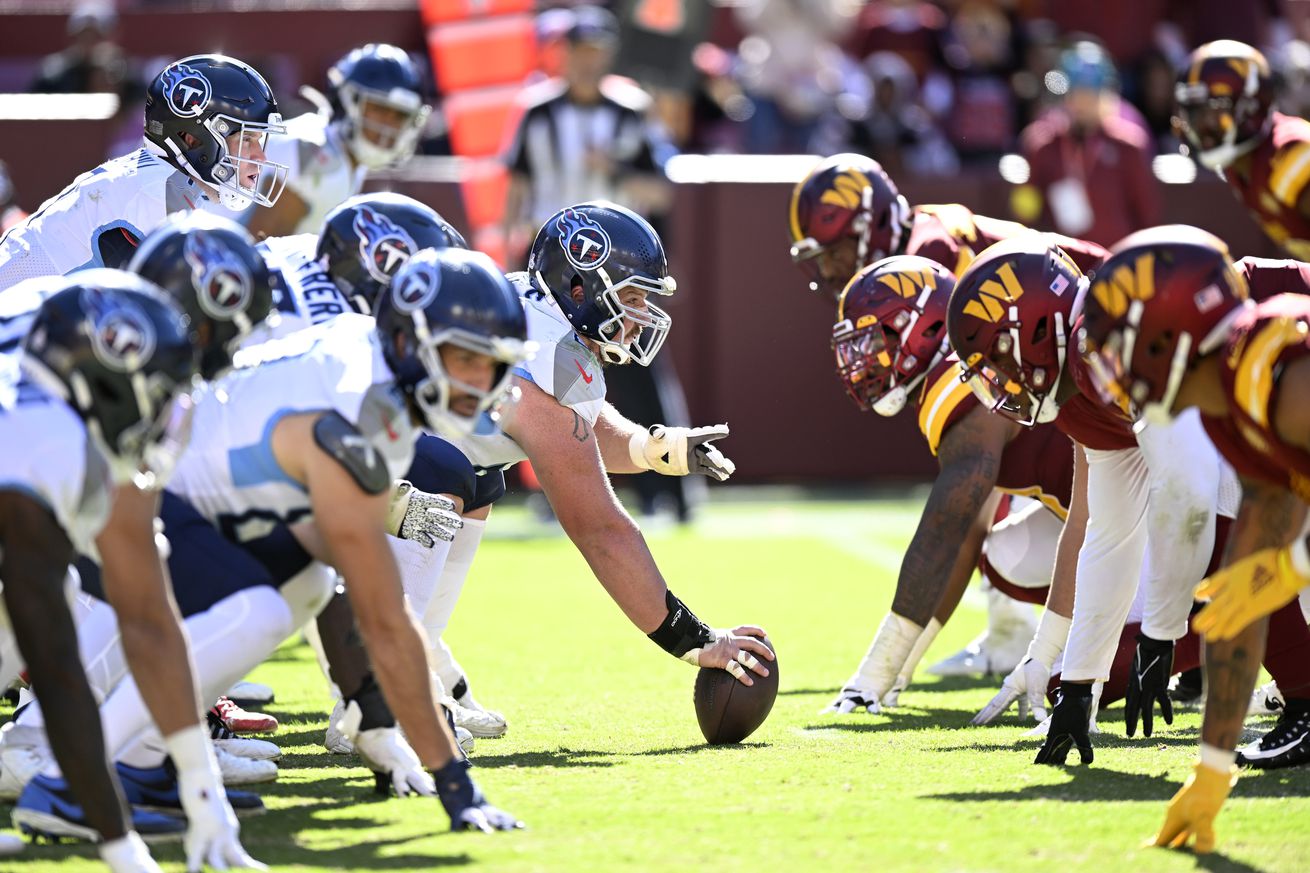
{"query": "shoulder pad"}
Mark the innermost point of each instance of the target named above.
(944, 401)
(352, 450)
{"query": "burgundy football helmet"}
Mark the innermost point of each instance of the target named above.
(1009, 321)
(891, 330)
(1224, 95)
(1164, 298)
(845, 215)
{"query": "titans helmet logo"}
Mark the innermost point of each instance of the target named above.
(122, 336)
(223, 284)
(586, 244)
(186, 90)
(419, 288)
(384, 246)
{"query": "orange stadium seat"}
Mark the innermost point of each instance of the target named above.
(480, 120)
(484, 186)
(440, 11)
(482, 52)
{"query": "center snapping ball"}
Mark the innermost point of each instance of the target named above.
(727, 710)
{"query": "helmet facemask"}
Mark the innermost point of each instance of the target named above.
(1001, 383)
(1211, 124)
(874, 365)
(389, 144)
(434, 391)
(228, 170)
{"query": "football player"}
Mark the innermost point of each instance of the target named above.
(848, 213)
(106, 370)
(591, 272)
(1169, 326)
(1224, 99)
(207, 120)
(373, 119)
(1010, 321)
(891, 347)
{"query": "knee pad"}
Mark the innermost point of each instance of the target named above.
(308, 592)
(440, 468)
(236, 634)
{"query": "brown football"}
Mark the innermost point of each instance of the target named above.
(727, 710)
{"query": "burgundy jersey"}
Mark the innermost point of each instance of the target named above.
(953, 236)
(1088, 421)
(1267, 277)
(1038, 463)
(1263, 340)
(1277, 175)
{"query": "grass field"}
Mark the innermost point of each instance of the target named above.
(605, 762)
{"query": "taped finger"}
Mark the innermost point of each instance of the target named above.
(736, 669)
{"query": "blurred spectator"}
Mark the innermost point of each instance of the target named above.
(582, 137)
(912, 29)
(896, 131)
(791, 69)
(658, 38)
(1155, 93)
(10, 212)
(1042, 45)
(93, 62)
(1091, 167)
(981, 59)
(1292, 71)
(719, 107)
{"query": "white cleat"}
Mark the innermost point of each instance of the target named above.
(24, 752)
(485, 724)
(250, 694)
(465, 740)
(1000, 648)
(250, 749)
(1266, 699)
(10, 845)
(243, 771)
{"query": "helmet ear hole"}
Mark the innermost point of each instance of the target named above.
(1039, 332)
(1163, 344)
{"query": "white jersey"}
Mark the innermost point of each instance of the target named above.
(319, 170)
(18, 306)
(304, 294)
(563, 367)
(229, 473)
(46, 453)
(93, 216)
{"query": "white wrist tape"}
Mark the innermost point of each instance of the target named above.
(637, 448)
(887, 654)
(1216, 758)
(921, 645)
(1048, 642)
(191, 750)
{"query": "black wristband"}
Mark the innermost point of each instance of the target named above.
(374, 712)
(681, 631)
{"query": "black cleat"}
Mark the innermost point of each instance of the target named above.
(1286, 745)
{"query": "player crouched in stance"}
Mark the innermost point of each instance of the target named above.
(591, 271)
(373, 118)
(891, 349)
(207, 120)
(106, 361)
(1184, 334)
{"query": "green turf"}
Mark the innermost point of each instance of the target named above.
(605, 763)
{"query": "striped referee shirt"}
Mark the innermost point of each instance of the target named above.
(556, 134)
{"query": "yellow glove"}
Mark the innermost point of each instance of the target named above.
(1193, 809)
(1247, 590)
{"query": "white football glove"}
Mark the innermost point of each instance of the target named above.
(385, 751)
(1027, 682)
(880, 668)
(680, 451)
(421, 517)
(128, 854)
(213, 835)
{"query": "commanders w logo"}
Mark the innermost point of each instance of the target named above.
(847, 189)
(993, 295)
(1116, 291)
(909, 282)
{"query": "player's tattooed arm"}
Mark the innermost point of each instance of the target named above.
(1269, 518)
(581, 432)
(970, 458)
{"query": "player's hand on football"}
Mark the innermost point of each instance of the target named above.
(421, 517)
(853, 700)
(741, 651)
(1070, 726)
(465, 804)
(1193, 809)
(1026, 684)
(1148, 682)
(386, 753)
